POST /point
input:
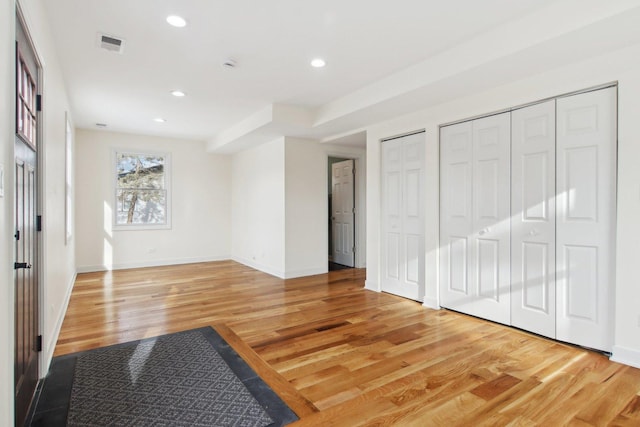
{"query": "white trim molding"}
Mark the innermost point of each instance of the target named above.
(155, 263)
(368, 284)
(431, 303)
(626, 356)
(258, 266)
(45, 361)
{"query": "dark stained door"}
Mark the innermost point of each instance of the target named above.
(25, 261)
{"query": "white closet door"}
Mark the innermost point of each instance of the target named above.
(403, 211)
(456, 220)
(475, 255)
(392, 216)
(586, 188)
(490, 245)
(413, 217)
(533, 219)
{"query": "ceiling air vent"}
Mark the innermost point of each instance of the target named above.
(110, 43)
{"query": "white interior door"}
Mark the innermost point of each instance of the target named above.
(456, 218)
(491, 239)
(475, 211)
(403, 217)
(342, 216)
(533, 219)
(586, 188)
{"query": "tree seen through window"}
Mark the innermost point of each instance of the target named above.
(141, 193)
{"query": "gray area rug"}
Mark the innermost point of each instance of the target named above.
(181, 379)
(171, 380)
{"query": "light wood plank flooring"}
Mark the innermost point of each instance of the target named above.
(340, 355)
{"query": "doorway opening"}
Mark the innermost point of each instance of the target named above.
(341, 203)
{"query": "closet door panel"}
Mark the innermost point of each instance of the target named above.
(393, 268)
(488, 269)
(490, 238)
(403, 254)
(586, 187)
(413, 213)
(533, 293)
(474, 217)
(456, 250)
(456, 222)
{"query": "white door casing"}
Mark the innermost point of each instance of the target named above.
(586, 200)
(475, 224)
(342, 213)
(533, 219)
(403, 253)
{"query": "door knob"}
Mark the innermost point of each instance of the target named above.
(483, 231)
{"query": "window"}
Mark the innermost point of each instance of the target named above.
(142, 197)
(25, 102)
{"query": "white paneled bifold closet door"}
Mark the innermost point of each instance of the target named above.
(561, 187)
(586, 204)
(474, 218)
(533, 218)
(403, 253)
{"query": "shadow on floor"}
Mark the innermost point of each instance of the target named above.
(333, 266)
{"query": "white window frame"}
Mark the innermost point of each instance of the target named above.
(114, 190)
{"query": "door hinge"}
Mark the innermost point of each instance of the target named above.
(38, 102)
(39, 343)
(353, 249)
(17, 235)
(353, 210)
(39, 223)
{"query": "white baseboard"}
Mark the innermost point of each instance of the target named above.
(260, 267)
(279, 273)
(306, 272)
(53, 339)
(626, 356)
(431, 303)
(368, 284)
(154, 263)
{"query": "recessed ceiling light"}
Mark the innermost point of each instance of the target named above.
(176, 21)
(159, 120)
(318, 63)
(178, 93)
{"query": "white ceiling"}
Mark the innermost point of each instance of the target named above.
(369, 46)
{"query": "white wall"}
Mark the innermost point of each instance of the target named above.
(622, 66)
(201, 215)
(280, 206)
(306, 207)
(58, 268)
(258, 206)
(7, 61)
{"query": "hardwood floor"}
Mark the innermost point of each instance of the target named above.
(340, 355)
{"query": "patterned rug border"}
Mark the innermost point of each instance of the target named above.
(52, 398)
